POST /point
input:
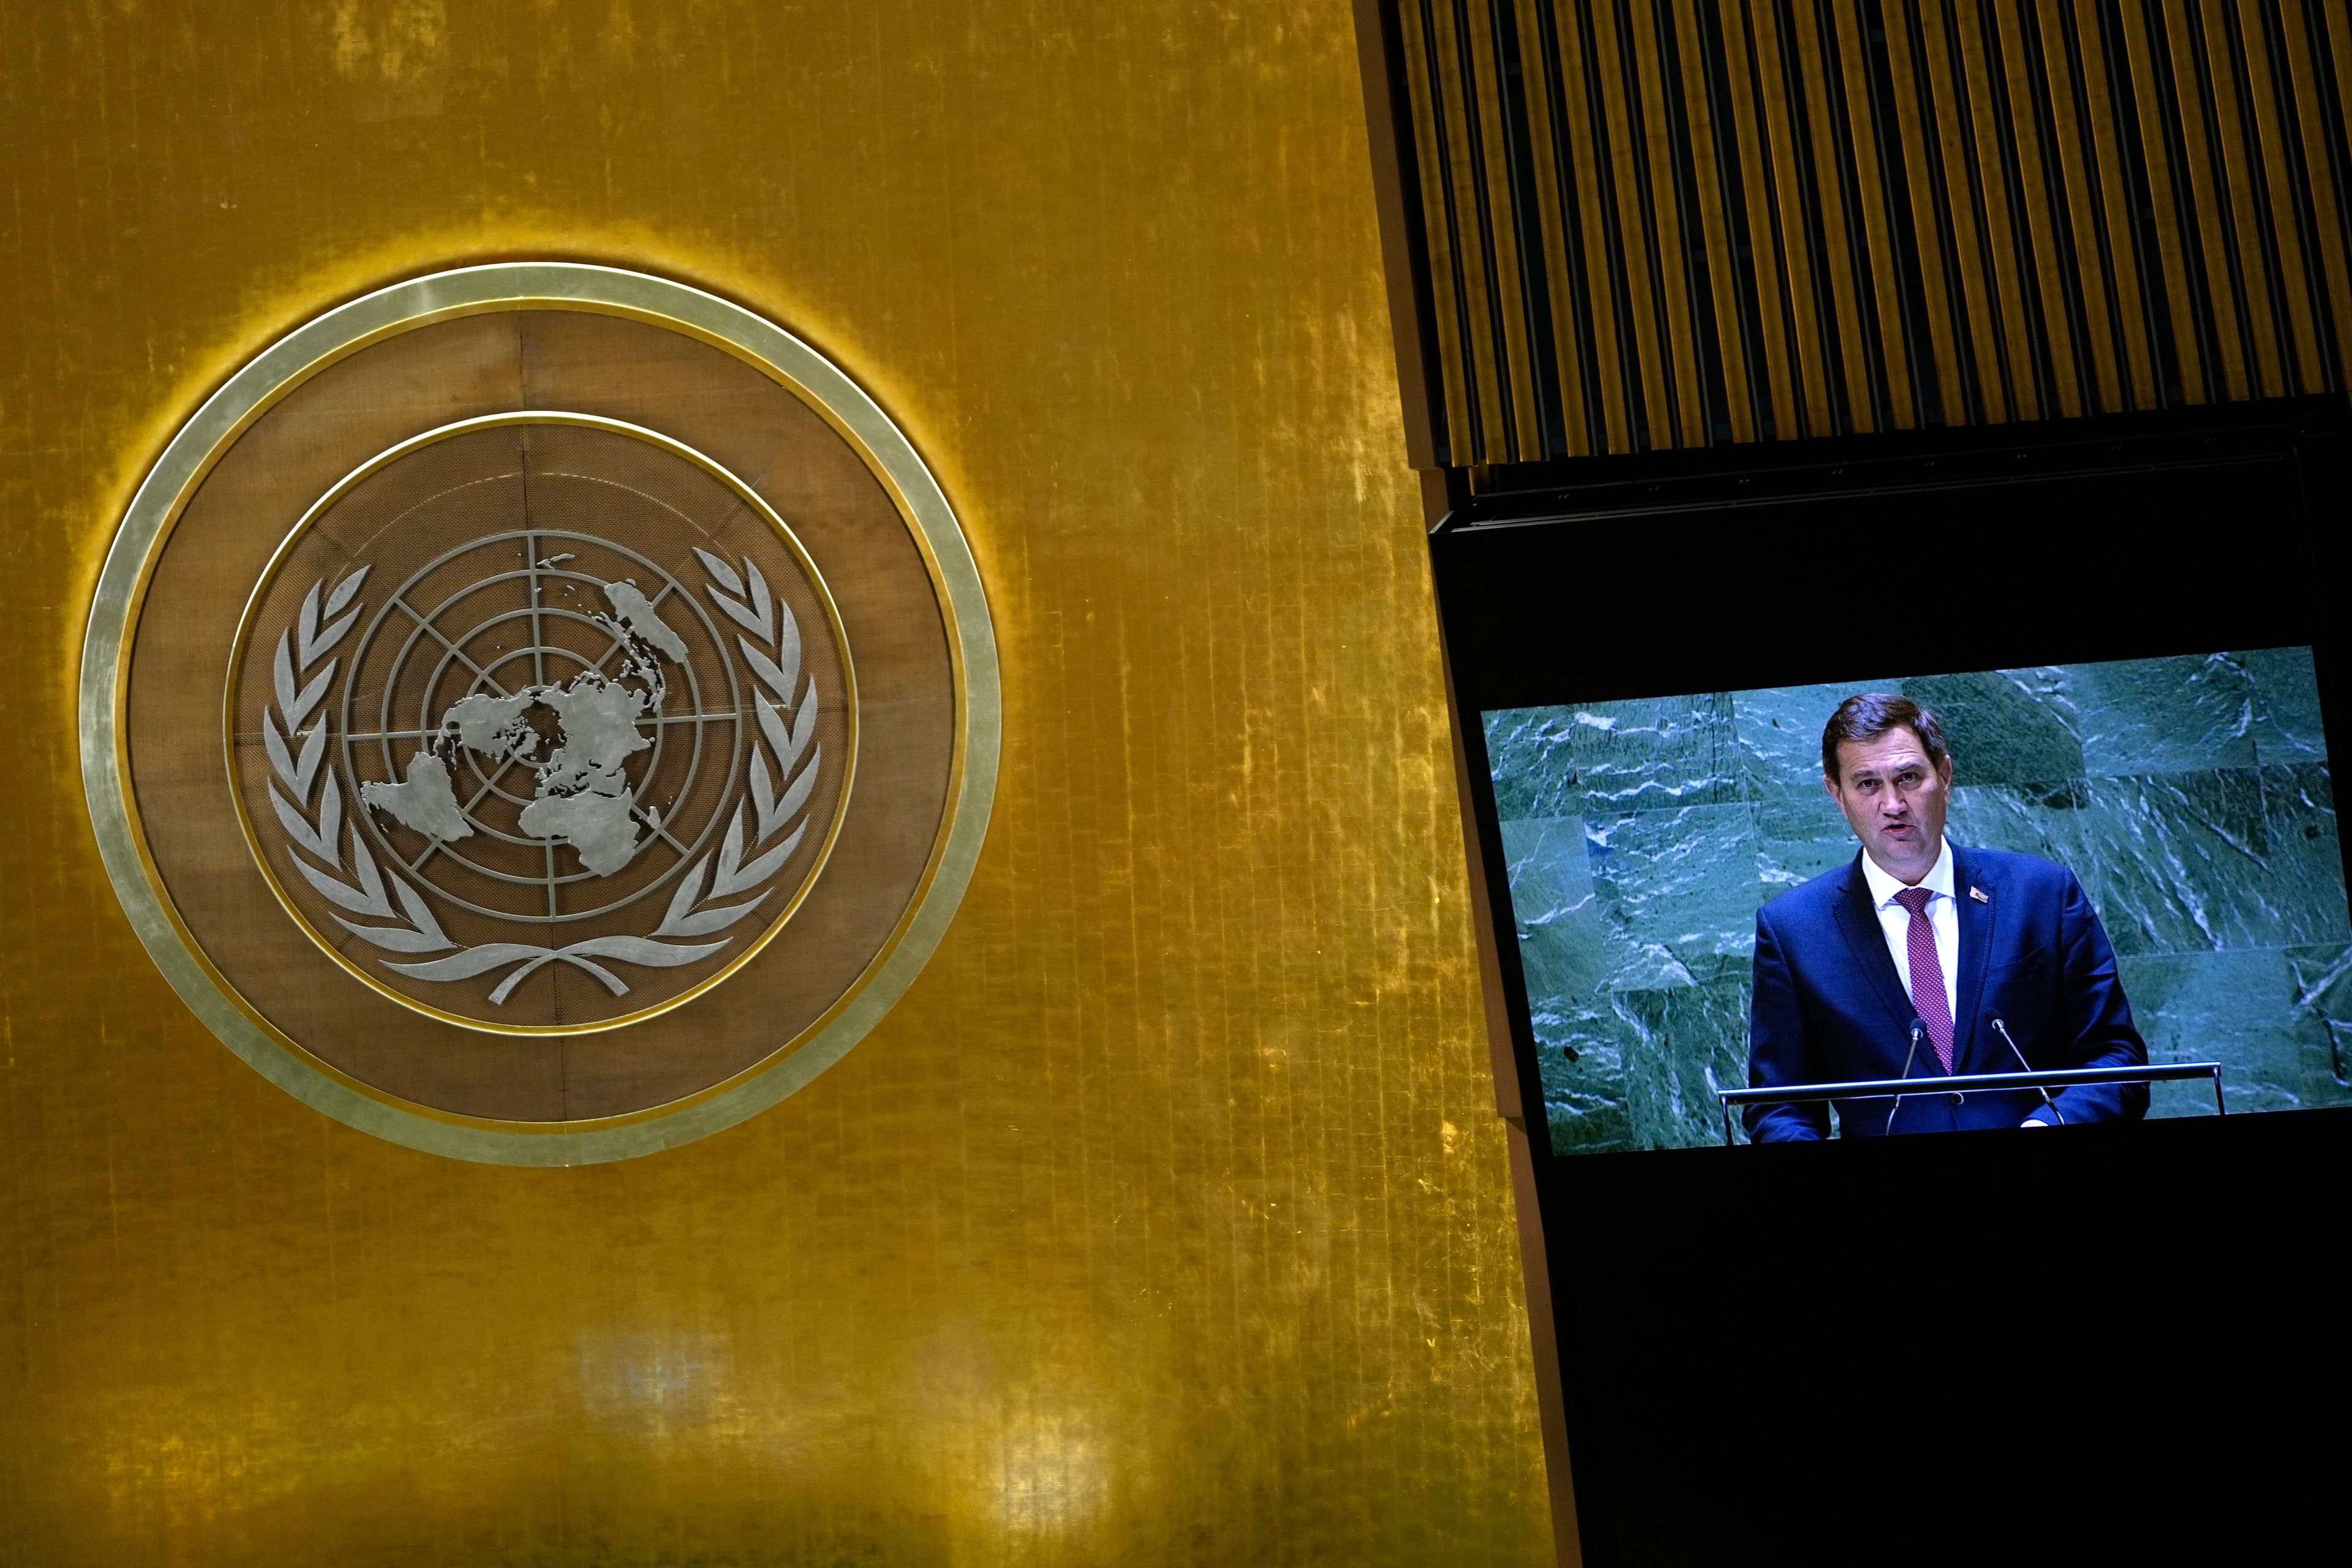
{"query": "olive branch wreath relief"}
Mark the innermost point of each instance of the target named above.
(771, 643)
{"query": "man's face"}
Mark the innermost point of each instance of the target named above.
(1896, 800)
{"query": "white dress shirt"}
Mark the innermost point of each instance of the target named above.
(1943, 913)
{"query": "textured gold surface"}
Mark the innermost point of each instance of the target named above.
(1167, 1218)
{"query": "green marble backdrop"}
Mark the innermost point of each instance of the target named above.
(2190, 795)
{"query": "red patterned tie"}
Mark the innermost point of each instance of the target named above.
(1927, 974)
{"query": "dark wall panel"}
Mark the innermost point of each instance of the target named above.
(1648, 225)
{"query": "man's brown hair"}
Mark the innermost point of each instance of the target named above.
(1870, 714)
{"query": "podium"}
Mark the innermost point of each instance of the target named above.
(1898, 1088)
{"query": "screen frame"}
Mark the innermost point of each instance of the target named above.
(1793, 514)
(1640, 1256)
(1678, 1447)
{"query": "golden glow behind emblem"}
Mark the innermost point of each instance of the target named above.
(541, 723)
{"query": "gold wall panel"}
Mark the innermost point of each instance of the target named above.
(1713, 221)
(1168, 1217)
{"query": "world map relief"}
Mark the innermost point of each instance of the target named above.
(581, 795)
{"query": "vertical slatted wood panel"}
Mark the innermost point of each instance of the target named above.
(1656, 224)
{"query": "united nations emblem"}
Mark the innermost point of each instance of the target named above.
(567, 761)
(607, 701)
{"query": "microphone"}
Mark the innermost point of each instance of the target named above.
(1918, 1027)
(2003, 1029)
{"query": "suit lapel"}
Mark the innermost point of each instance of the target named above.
(1979, 919)
(1866, 939)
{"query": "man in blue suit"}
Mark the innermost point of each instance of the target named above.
(1923, 960)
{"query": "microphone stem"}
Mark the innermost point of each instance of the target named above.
(2001, 1027)
(1917, 1028)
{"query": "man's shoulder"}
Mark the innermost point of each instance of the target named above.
(1814, 900)
(2028, 874)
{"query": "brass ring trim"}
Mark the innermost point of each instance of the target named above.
(277, 370)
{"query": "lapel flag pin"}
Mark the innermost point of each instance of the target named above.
(1978, 894)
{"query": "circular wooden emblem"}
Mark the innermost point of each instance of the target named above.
(540, 713)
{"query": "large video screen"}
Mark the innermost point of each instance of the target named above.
(2136, 856)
